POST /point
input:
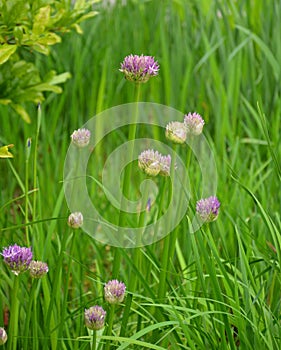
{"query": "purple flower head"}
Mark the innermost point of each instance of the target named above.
(114, 292)
(81, 137)
(208, 209)
(75, 220)
(176, 132)
(95, 317)
(194, 123)
(3, 336)
(139, 69)
(38, 269)
(17, 258)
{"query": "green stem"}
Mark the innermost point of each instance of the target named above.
(167, 241)
(66, 282)
(28, 146)
(32, 302)
(14, 316)
(126, 181)
(126, 312)
(94, 340)
(39, 115)
(56, 286)
(110, 325)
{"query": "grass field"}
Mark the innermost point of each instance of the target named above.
(217, 288)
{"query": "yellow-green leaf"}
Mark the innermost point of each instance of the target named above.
(77, 28)
(22, 112)
(88, 15)
(6, 51)
(49, 39)
(4, 151)
(41, 20)
(5, 101)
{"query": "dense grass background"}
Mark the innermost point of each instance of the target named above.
(221, 59)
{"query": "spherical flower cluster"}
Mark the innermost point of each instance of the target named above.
(176, 132)
(114, 292)
(153, 163)
(75, 220)
(165, 165)
(17, 258)
(81, 137)
(139, 69)
(194, 123)
(38, 269)
(3, 336)
(95, 317)
(208, 209)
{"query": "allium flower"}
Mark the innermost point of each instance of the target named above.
(208, 209)
(165, 165)
(149, 162)
(176, 132)
(154, 163)
(194, 123)
(114, 292)
(3, 336)
(81, 137)
(17, 258)
(95, 317)
(38, 269)
(139, 68)
(75, 220)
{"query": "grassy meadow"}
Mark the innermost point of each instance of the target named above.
(217, 288)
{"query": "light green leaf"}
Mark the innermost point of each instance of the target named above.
(6, 51)
(22, 112)
(88, 15)
(77, 28)
(49, 39)
(58, 79)
(5, 101)
(45, 87)
(4, 151)
(41, 20)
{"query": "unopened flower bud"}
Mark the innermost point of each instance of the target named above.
(194, 123)
(38, 269)
(176, 132)
(75, 220)
(3, 336)
(81, 137)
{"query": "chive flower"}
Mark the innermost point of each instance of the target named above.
(3, 336)
(81, 137)
(17, 258)
(38, 269)
(153, 163)
(176, 132)
(95, 317)
(139, 69)
(75, 220)
(165, 165)
(149, 162)
(194, 123)
(208, 209)
(114, 292)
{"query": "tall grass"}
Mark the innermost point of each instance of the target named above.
(222, 283)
